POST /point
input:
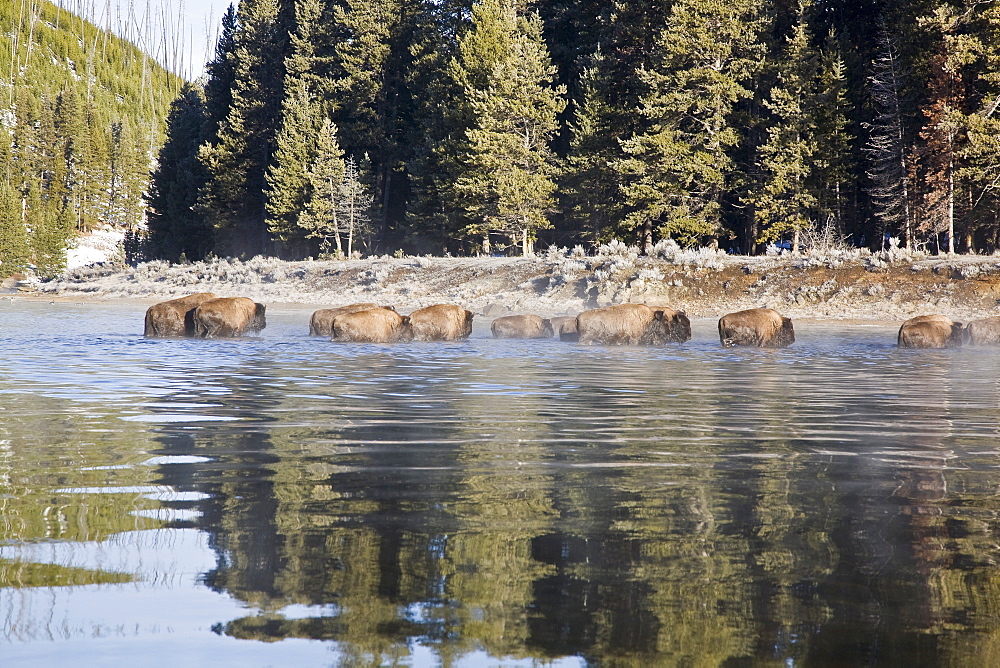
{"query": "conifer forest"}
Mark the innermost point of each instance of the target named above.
(325, 128)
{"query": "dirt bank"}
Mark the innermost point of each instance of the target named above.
(886, 286)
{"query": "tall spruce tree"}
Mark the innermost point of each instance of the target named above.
(787, 200)
(589, 184)
(677, 170)
(177, 228)
(508, 184)
(887, 149)
(14, 250)
(320, 216)
(236, 164)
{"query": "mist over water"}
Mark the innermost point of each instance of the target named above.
(491, 502)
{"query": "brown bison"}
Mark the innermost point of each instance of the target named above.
(633, 324)
(376, 325)
(521, 327)
(172, 318)
(985, 332)
(564, 326)
(441, 322)
(321, 322)
(759, 327)
(930, 331)
(227, 317)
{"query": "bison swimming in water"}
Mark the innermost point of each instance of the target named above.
(170, 318)
(321, 322)
(441, 322)
(564, 326)
(227, 317)
(930, 331)
(984, 332)
(758, 327)
(521, 327)
(375, 325)
(633, 324)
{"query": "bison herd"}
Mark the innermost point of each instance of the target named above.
(205, 315)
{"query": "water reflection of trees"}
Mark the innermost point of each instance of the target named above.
(650, 519)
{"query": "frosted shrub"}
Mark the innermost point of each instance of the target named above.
(666, 249)
(644, 277)
(425, 261)
(616, 248)
(375, 274)
(578, 253)
(711, 258)
(554, 254)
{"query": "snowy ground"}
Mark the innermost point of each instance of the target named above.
(839, 283)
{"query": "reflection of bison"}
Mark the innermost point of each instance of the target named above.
(171, 318)
(564, 326)
(985, 332)
(376, 325)
(521, 327)
(930, 331)
(760, 327)
(441, 322)
(228, 316)
(321, 322)
(633, 324)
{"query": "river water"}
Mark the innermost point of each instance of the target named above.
(285, 500)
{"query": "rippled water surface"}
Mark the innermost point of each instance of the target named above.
(285, 500)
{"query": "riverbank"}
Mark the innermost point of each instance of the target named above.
(850, 284)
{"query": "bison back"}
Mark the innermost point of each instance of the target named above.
(228, 317)
(321, 322)
(521, 327)
(984, 332)
(377, 325)
(759, 327)
(172, 318)
(621, 325)
(930, 332)
(441, 322)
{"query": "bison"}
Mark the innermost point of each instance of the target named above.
(930, 331)
(633, 324)
(375, 325)
(321, 322)
(521, 327)
(227, 317)
(564, 326)
(985, 332)
(441, 322)
(171, 318)
(759, 327)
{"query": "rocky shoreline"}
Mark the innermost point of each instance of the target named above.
(856, 285)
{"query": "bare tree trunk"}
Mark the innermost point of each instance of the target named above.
(647, 237)
(525, 250)
(486, 244)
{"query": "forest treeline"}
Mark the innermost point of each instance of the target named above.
(457, 126)
(82, 115)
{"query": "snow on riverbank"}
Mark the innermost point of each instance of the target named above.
(856, 284)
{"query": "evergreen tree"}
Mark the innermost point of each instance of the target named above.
(833, 161)
(787, 201)
(943, 130)
(438, 123)
(354, 206)
(221, 75)
(508, 185)
(590, 184)
(14, 251)
(176, 226)
(888, 149)
(322, 208)
(236, 164)
(980, 154)
(677, 170)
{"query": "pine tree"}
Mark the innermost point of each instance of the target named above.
(322, 208)
(354, 206)
(509, 185)
(177, 228)
(589, 185)
(888, 148)
(677, 170)
(234, 194)
(943, 130)
(14, 251)
(787, 201)
(833, 159)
